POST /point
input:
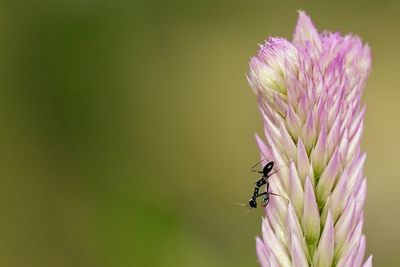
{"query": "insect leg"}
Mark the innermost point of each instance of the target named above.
(270, 193)
(265, 198)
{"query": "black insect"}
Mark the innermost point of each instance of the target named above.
(266, 173)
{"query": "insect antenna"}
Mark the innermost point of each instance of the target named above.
(255, 165)
(246, 230)
(242, 204)
(287, 200)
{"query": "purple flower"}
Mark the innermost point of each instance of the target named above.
(309, 94)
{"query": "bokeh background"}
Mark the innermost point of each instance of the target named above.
(127, 128)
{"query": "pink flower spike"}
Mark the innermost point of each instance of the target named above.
(309, 95)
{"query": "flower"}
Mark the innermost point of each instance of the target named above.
(309, 94)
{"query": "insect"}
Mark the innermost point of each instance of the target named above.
(266, 173)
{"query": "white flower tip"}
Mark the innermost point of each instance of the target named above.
(306, 32)
(268, 70)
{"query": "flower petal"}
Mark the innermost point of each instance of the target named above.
(324, 254)
(297, 252)
(360, 253)
(368, 262)
(262, 253)
(262, 147)
(293, 225)
(293, 122)
(267, 257)
(309, 132)
(340, 195)
(289, 147)
(318, 155)
(306, 34)
(327, 179)
(344, 225)
(275, 245)
(303, 163)
(310, 221)
(296, 190)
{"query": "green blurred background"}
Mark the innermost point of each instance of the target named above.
(127, 128)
